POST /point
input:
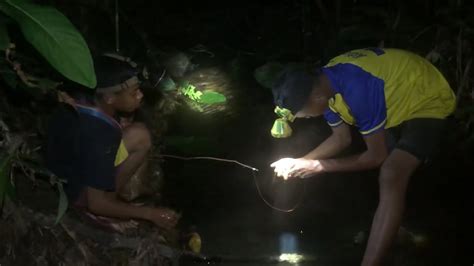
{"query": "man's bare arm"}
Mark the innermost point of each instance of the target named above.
(338, 141)
(373, 157)
(106, 204)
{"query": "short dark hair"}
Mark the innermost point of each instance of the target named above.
(111, 71)
(292, 89)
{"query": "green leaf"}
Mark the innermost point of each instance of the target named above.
(54, 36)
(4, 38)
(211, 97)
(63, 203)
(5, 184)
(190, 91)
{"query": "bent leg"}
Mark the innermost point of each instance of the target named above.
(138, 142)
(394, 176)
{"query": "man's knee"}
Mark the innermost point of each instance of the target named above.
(395, 175)
(398, 167)
(388, 176)
(137, 137)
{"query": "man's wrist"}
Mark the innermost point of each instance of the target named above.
(317, 166)
(147, 213)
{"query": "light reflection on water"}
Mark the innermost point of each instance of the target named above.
(288, 243)
(289, 249)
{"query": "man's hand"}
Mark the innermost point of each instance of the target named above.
(163, 217)
(283, 166)
(106, 204)
(64, 97)
(290, 167)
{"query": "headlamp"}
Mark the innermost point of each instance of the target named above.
(281, 127)
(124, 85)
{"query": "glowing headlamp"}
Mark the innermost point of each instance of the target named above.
(281, 127)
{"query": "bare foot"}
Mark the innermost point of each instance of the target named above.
(124, 226)
(163, 217)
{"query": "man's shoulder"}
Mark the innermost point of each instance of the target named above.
(356, 56)
(68, 122)
(97, 118)
(63, 119)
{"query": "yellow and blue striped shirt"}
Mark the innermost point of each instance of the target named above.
(381, 88)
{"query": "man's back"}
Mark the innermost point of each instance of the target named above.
(82, 149)
(410, 85)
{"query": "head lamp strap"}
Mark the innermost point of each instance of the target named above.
(124, 85)
(284, 113)
(122, 58)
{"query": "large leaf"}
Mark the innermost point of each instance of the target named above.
(54, 36)
(211, 97)
(4, 38)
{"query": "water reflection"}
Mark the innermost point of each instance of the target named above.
(288, 243)
(289, 249)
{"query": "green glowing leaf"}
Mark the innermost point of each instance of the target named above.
(203, 97)
(212, 97)
(190, 91)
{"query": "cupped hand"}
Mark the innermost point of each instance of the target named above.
(300, 167)
(283, 166)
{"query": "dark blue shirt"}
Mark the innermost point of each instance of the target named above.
(81, 149)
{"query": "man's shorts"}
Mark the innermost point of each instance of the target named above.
(420, 137)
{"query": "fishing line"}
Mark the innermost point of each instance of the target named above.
(297, 204)
(254, 174)
(117, 27)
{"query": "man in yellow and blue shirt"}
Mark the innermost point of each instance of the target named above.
(396, 99)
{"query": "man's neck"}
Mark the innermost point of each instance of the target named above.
(328, 90)
(106, 108)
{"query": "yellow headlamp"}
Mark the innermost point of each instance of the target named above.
(281, 127)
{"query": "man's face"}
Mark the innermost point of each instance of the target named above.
(314, 107)
(128, 100)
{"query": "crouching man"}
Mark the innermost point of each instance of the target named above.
(90, 149)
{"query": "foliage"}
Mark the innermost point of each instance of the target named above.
(212, 97)
(204, 97)
(55, 38)
(190, 91)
